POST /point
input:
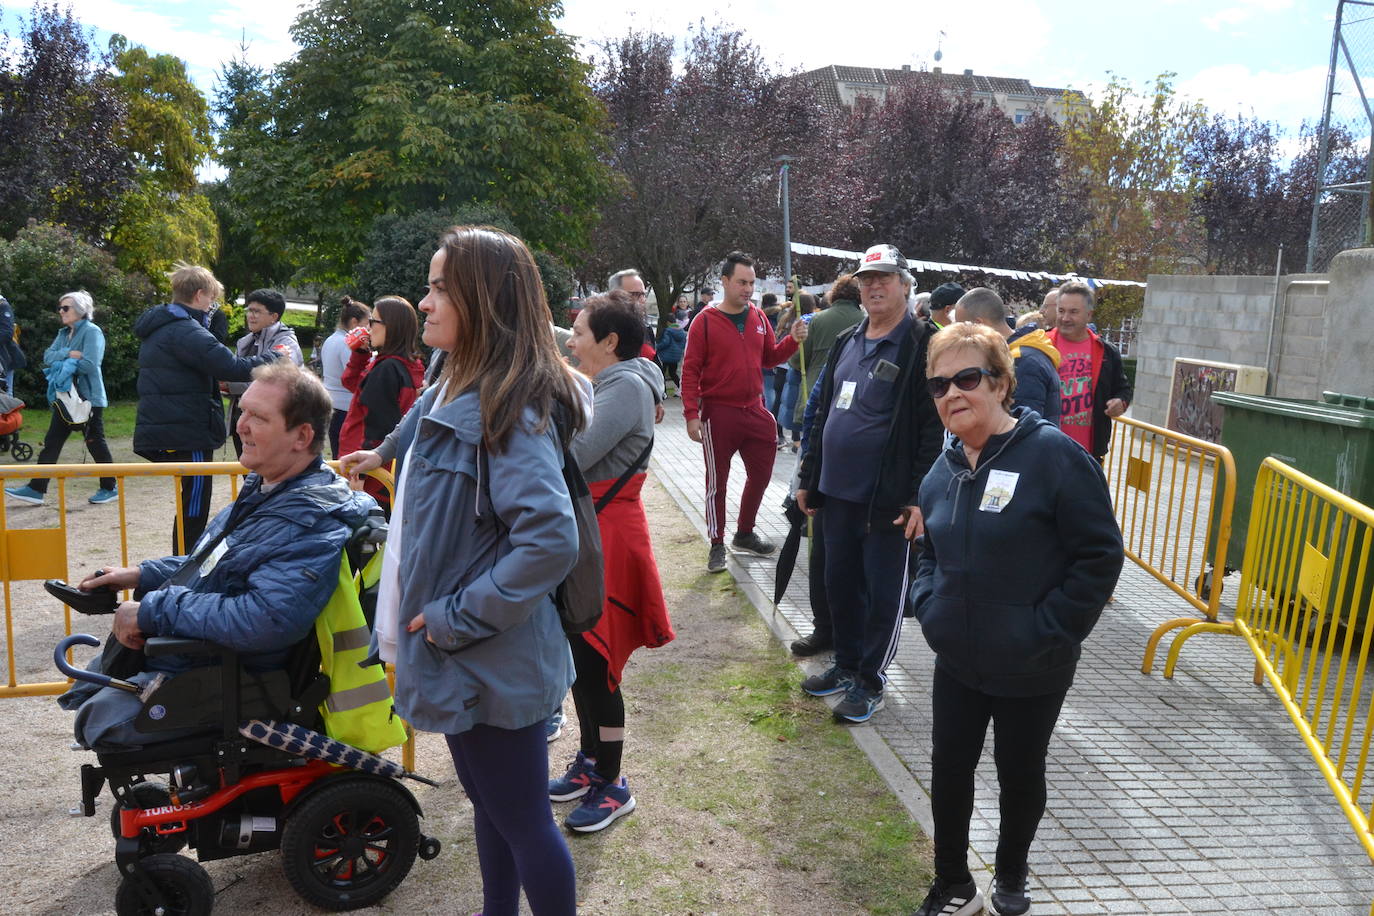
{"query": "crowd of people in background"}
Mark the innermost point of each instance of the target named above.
(933, 432)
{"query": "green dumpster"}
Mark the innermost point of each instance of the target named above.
(1331, 440)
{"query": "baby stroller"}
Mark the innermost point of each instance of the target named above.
(11, 419)
(267, 778)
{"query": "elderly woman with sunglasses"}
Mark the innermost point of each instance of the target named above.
(73, 361)
(1022, 551)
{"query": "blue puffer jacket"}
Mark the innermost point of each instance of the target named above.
(1005, 598)
(261, 589)
(180, 365)
(61, 368)
(672, 344)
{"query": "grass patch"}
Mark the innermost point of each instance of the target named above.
(752, 800)
(119, 419)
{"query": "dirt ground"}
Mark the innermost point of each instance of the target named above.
(729, 764)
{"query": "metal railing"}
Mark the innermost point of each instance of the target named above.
(1304, 611)
(1174, 496)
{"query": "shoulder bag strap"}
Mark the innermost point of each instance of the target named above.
(623, 479)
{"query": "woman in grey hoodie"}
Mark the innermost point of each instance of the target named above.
(613, 453)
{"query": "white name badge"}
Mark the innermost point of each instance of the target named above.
(208, 564)
(846, 396)
(1001, 487)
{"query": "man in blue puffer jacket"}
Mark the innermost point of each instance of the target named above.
(257, 589)
(180, 412)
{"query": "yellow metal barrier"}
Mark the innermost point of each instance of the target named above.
(1304, 611)
(1174, 496)
(28, 554)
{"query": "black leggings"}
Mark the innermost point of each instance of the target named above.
(93, 432)
(670, 373)
(598, 707)
(1021, 729)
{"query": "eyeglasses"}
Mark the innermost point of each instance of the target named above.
(874, 276)
(372, 321)
(258, 313)
(965, 379)
(64, 308)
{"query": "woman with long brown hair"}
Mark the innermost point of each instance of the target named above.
(483, 533)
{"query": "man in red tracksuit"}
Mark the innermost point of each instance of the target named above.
(728, 347)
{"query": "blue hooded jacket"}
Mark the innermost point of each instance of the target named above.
(261, 589)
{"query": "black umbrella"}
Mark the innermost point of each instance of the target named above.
(787, 556)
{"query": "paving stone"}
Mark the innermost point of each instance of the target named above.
(1192, 795)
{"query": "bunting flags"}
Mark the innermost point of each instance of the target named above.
(941, 267)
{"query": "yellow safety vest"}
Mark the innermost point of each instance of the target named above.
(358, 710)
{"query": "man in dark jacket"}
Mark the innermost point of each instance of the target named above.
(273, 565)
(180, 413)
(1035, 359)
(1093, 383)
(875, 435)
(11, 357)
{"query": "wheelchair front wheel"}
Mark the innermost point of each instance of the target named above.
(184, 885)
(350, 844)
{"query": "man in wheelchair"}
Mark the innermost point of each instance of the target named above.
(258, 577)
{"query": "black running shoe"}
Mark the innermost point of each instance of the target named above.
(753, 543)
(859, 704)
(951, 900)
(715, 560)
(814, 644)
(1007, 894)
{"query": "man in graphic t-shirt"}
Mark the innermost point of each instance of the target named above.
(1092, 380)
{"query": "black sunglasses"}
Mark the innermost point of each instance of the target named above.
(64, 308)
(965, 379)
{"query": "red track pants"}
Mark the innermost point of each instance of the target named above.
(752, 432)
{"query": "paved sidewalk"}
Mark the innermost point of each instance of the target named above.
(1194, 795)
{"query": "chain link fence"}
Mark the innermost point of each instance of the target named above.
(1340, 216)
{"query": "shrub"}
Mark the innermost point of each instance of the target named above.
(44, 261)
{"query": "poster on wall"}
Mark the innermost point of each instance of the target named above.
(1191, 410)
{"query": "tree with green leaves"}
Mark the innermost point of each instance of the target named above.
(688, 196)
(1126, 154)
(164, 218)
(404, 105)
(62, 158)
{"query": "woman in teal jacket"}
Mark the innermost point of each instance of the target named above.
(73, 359)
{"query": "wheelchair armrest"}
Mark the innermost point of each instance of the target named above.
(157, 646)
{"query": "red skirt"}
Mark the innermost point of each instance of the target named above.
(635, 614)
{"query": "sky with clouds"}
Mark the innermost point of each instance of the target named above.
(1266, 58)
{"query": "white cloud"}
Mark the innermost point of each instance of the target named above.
(993, 37)
(1242, 11)
(1286, 97)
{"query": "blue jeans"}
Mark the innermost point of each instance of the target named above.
(789, 403)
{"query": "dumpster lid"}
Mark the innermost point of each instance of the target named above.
(1335, 410)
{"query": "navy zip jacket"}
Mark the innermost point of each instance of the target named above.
(1006, 598)
(180, 365)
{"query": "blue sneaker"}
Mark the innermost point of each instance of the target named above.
(604, 803)
(831, 681)
(576, 782)
(859, 704)
(25, 494)
(104, 496)
(553, 725)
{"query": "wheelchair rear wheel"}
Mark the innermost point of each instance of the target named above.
(185, 886)
(149, 795)
(350, 844)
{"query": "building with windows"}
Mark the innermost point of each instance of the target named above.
(840, 87)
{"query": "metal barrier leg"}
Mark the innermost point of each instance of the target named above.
(1175, 647)
(1147, 663)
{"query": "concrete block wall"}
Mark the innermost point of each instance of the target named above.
(1221, 319)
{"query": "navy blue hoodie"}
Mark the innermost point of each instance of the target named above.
(1006, 598)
